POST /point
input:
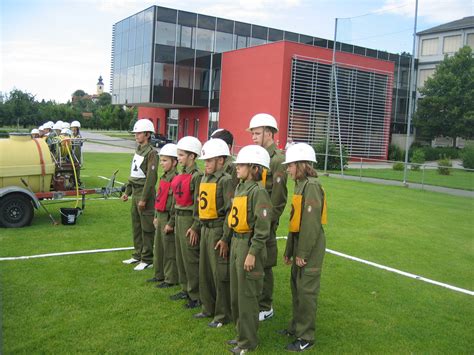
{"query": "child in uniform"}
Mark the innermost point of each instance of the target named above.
(185, 188)
(164, 253)
(250, 219)
(215, 194)
(306, 244)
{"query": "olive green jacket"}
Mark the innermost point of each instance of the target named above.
(149, 167)
(276, 181)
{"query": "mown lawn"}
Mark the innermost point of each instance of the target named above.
(457, 179)
(94, 303)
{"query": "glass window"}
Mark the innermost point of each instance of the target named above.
(291, 36)
(185, 56)
(257, 41)
(240, 41)
(165, 33)
(470, 40)
(359, 50)
(146, 74)
(321, 42)
(207, 22)
(187, 18)
(205, 40)
(429, 46)
(133, 22)
(118, 42)
(186, 36)
(131, 58)
(126, 24)
(148, 15)
(275, 35)
(163, 74)
(184, 76)
(226, 26)
(164, 54)
(130, 76)
(306, 39)
(145, 94)
(138, 56)
(131, 38)
(423, 75)
(166, 15)
(119, 27)
(349, 48)
(259, 32)
(147, 33)
(139, 37)
(125, 41)
(451, 44)
(224, 41)
(137, 81)
(140, 18)
(242, 29)
(147, 54)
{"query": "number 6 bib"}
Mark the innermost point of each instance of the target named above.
(237, 219)
(207, 200)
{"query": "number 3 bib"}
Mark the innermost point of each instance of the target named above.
(207, 200)
(237, 219)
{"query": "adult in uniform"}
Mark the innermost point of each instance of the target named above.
(185, 188)
(215, 194)
(305, 246)
(250, 220)
(229, 166)
(141, 185)
(76, 141)
(164, 252)
(263, 127)
(35, 133)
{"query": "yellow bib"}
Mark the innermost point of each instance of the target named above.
(207, 200)
(264, 177)
(324, 212)
(237, 219)
(295, 215)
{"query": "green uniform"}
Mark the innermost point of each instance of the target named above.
(164, 252)
(77, 148)
(214, 280)
(187, 255)
(277, 189)
(250, 220)
(229, 168)
(307, 241)
(141, 185)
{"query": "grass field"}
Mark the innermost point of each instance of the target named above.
(93, 303)
(458, 179)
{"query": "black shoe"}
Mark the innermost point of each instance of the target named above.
(232, 342)
(165, 285)
(285, 332)
(240, 351)
(154, 279)
(192, 304)
(215, 324)
(179, 296)
(201, 315)
(299, 345)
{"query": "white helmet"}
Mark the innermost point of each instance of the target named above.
(40, 128)
(253, 154)
(76, 124)
(190, 144)
(66, 125)
(143, 125)
(300, 152)
(49, 125)
(263, 120)
(35, 131)
(58, 125)
(170, 150)
(66, 131)
(214, 147)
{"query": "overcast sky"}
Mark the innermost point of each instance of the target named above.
(50, 48)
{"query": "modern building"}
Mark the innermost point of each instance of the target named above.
(191, 73)
(437, 42)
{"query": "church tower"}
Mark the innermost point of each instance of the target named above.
(100, 86)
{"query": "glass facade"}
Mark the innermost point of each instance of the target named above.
(172, 58)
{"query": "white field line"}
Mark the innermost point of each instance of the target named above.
(379, 266)
(106, 178)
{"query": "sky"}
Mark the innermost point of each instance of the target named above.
(50, 48)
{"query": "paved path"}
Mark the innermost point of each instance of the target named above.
(100, 143)
(411, 185)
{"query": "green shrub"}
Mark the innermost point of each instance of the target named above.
(395, 153)
(468, 158)
(417, 158)
(334, 162)
(444, 165)
(398, 166)
(432, 154)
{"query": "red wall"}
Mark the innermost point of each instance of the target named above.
(155, 114)
(257, 79)
(193, 114)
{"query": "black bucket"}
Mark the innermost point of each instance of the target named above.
(69, 215)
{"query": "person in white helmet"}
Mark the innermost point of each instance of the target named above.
(141, 185)
(41, 131)
(76, 141)
(185, 188)
(250, 221)
(65, 143)
(75, 128)
(215, 198)
(164, 252)
(263, 128)
(35, 133)
(229, 166)
(47, 127)
(305, 246)
(66, 125)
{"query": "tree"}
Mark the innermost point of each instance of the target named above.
(104, 99)
(79, 93)
(20, 108)
(447, 105)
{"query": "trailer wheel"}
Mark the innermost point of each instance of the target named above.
(16, 210)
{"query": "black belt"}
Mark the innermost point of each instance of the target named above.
(184, 212)
(242, 235)
(213, 223)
